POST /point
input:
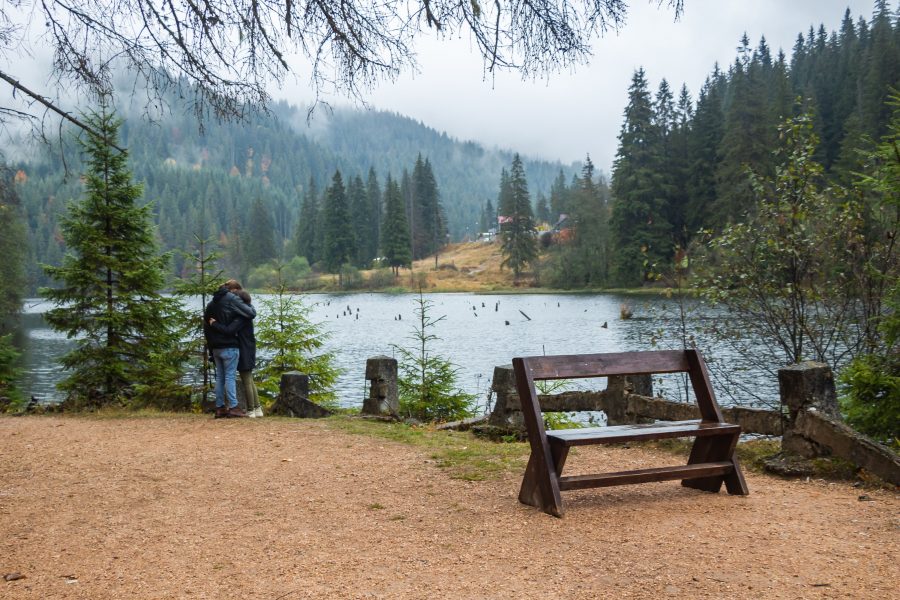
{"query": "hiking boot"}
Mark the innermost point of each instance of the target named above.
(236, 413)
(221, 412)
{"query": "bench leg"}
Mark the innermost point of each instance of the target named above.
(717, 449)
(702, 452)
(734, 481)
(531, 492)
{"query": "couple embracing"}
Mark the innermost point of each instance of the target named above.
(228, 327)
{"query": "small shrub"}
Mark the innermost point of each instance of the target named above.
(380, 279)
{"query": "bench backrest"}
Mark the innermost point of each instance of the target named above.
(580, 366)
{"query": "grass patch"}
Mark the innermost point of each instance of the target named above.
(752, 454)
(460, 453)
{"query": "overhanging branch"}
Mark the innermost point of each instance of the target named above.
(50, 105)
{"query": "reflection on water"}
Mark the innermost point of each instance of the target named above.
(477, 333)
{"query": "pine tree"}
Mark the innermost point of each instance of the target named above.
(12, 274)
(559, 198)
(305, 233)
(12, 249)
(127, 347)
(373, 211)
(678, 163)
(641, 235)
(356, 201)
(518, 237)
(259, 240)
(395, 245)
(704, 139)
(542, 209)
(430, 228)
(340, 243)
(747, 141)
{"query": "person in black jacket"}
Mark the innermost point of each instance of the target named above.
(242, 328)
(224, 308)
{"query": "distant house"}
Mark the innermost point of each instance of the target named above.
(488, 236)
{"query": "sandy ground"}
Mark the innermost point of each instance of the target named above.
(276, 509)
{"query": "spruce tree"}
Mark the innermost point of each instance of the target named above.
(559, 198)
(306, 238)
(427, 382)
(518, 239)
(340, 243)
(259, 241)
(640, 232)
(395, 245)
(589, 250)
(373, 211)
(12, 248)
(356, 201)
(293, 342)
(12, 274)
(202, 280)
(746, 144)
(430, 228)
(704, 139)
(127, 338)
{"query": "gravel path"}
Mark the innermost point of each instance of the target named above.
(189, 507)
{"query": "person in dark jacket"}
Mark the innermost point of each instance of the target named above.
(242, 328)
(224, 308)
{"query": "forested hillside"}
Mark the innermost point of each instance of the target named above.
(683, 166)
(211, 183)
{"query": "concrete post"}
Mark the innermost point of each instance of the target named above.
(507, 408)
(294, 401)
(803, 387)
(383, 398)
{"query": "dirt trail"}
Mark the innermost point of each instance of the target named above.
(189, 507)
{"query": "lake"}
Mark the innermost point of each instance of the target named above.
(477, 333)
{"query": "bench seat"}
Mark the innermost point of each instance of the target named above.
(631, 433)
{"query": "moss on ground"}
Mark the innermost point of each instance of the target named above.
(460, 453)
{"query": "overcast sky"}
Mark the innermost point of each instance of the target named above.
(574, 114)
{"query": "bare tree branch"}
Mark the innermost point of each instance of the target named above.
(229, 51)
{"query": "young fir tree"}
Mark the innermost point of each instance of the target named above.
(427, 382)
(285, 333)
(395, 245)
(127, 335)
(202, 281)
(518, 237)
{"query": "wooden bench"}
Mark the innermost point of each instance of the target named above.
(711, 463)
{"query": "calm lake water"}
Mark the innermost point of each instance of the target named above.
(477, 333)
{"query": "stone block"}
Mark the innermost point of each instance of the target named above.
(808, 385)
(383, 400)
(293, 399)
